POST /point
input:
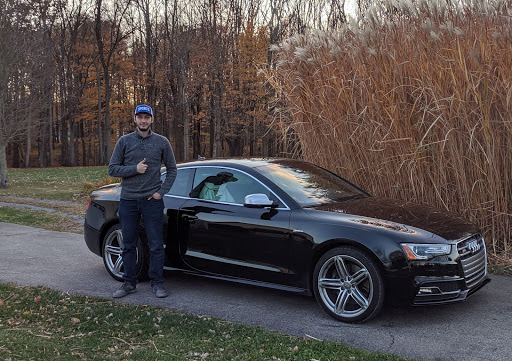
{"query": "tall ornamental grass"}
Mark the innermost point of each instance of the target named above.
(412, 102)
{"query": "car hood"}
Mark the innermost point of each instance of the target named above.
(442, 223)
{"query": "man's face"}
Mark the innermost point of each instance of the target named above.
(143, 121)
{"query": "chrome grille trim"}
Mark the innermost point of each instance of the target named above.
(473, 257)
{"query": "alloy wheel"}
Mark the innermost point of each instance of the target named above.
(345, 286)
(113, 250)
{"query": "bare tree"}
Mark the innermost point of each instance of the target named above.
(17, 103)
(337, 15)
(176, 66)
(148, 28)
(111, 31)
(43, 75)
(74, 26)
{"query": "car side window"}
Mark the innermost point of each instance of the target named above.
(181, 185)
(226, 185)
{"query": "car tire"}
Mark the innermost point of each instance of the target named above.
(112, 251)
(348, 285)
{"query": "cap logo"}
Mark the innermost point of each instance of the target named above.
(143, 108)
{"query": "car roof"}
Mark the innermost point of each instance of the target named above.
(247, 162)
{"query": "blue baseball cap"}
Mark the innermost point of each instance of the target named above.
(143, 108)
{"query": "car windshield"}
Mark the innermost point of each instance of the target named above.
(308, 184)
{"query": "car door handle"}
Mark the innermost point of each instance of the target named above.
(189, 218)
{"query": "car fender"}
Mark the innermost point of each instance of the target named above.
(381, 239)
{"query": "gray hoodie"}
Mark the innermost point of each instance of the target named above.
(133, 148)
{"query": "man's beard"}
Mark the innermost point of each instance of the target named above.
(142, 129)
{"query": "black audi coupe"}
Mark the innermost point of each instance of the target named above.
(295, 226)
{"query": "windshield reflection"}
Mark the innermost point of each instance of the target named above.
(308, 184)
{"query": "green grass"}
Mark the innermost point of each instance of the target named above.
(52, 183)
(38, 323)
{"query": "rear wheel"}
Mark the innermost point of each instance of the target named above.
(112, 252)
(348, 285)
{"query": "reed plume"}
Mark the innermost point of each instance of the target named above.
(414, 102)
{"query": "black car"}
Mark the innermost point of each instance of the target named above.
(295, 226)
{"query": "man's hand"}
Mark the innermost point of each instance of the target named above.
(142, 166)
(155, 196)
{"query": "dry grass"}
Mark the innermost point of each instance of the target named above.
(413, 103)
(88, 187)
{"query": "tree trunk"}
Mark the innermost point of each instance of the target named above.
(15, 155)
(184, 107)
(108, 130)
(252, 136)
(85, 158)
(72, 147)
(64, 143)
(50, 136)
(212, 133)
(42, 145)
(4, 180)
(89, 152)
(217, 115)
(196, 134)
(28, 149)
(43, 138)
(100, 132)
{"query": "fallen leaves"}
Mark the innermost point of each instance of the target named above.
(202, 355)
(75, 320)
(37, 299)
(1, 302)
(13, 322)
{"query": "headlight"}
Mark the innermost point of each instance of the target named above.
(416, 251)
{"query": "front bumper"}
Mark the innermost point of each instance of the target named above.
(445, 279)
(441, 290)
(429, 290)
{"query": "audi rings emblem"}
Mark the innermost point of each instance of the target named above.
(474, 246)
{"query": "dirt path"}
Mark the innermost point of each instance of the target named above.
(32, 207)
(25, 200)
(74, 212)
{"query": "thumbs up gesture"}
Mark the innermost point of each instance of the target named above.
(142, 166)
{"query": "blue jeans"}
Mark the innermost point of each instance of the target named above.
(130, 211)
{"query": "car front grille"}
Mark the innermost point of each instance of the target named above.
(473, 256)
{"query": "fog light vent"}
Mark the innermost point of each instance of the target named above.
(429, 291)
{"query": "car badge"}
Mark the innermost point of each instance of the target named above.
(474, 246)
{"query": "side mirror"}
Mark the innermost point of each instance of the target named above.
(258, 200)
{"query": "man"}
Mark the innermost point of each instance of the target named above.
(137, 159)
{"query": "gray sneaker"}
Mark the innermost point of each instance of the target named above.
(159, 291)
(124, 290)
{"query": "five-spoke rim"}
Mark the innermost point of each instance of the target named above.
(345, 286)
(113, 250)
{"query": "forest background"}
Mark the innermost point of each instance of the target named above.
(410, 99)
